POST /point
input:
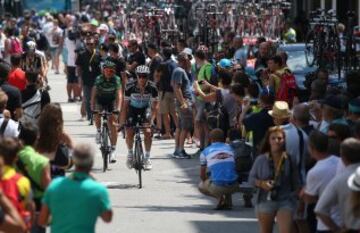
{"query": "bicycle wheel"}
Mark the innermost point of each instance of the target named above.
(139, 161)
(104, 147)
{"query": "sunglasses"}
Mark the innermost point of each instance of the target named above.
(90, 44)
(142, 76)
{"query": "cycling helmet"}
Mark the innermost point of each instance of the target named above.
(142, 70)
(109, 64)
(30, 45)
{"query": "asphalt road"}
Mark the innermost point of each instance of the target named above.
(169, 200)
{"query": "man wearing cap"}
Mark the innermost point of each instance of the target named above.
(338, 193)
(74, 203)
(107, 96)
(333, 110)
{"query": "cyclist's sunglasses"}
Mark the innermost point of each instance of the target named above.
(142, 76)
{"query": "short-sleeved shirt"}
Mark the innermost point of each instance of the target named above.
(107, 89)
(318, 178)
(14, 97)
(205, 72)
(12, 128)
(137, 57)
(141, 100)
(75, 203)
(89, 62)
(338, 193)
(17, 78)
(34, 165)
(179, 77)
(219, 159)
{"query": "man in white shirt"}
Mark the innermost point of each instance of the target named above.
(320, 175)
(8, 127)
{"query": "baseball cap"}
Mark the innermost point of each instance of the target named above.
(103, 27)
(225, 63)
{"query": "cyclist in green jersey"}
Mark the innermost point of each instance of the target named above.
(107, 96)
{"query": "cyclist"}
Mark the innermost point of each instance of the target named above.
(141, 99)
(107, 96)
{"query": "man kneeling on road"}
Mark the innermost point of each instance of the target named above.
(218, 159)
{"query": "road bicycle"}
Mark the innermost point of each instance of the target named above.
(105, 146)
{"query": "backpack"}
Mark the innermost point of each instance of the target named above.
(11, 190)
(16, 47)
(243, 153)
(287, 89)
(32, 108)
(217, 116)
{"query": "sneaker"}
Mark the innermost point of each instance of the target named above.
(129, 162)
(147, 164)
(98, 137)
(113, 156)
(183, 155)
(176, 153)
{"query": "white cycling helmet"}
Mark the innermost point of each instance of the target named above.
(142, 70)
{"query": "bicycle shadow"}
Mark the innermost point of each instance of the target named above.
(117, 185)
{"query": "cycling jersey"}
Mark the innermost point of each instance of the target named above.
(141, 100)
(107, 90)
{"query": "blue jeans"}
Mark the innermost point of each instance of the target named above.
(87, 98)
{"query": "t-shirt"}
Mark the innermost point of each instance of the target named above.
(219, 159)
(179, 77)
(240, 56)
(54, 37)
(338, 193)
(75, 203)
(14, 98)
(317, 179)
(168, 68)
(137, 57)
(34, 165)
(205, 72)
(70, 46)
(31, 90)
(229, 101)
(107, 89)
(258, 123)
(17, 78)
(89, 62)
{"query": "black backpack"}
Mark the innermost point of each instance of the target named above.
(243, 153)
(217, 116)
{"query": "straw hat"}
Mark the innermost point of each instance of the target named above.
(354, 181)
(280, 110)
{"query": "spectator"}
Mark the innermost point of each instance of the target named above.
(301, 118)
(240, 55)
(119, 61)
(13, 94)
(218, 159)
(167, 103)
(83, 199)
(354, 185)
(34, 166)
(55, 41)
(338, 193)
(274, 174)
(181, 86)
(220, 94)
(354, 111)
(258, 122)
(275, 64)
(8, 128)
(296, 139)
(321, 174)
(136, 57)
(262, 57)
(12, 221)
(332, 111)
(53, 142)
(34, 99)
(88, 65)
(156, 59)
(16, 187)
(17, 75)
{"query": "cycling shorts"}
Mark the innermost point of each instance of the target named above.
(137, 116)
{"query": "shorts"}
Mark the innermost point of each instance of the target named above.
(185, 117)
(200, 111)
(71, 75)
(270, 207)
(137, 116)
(208, 188)
(109, 107)
(167, 102)
(54, 51)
